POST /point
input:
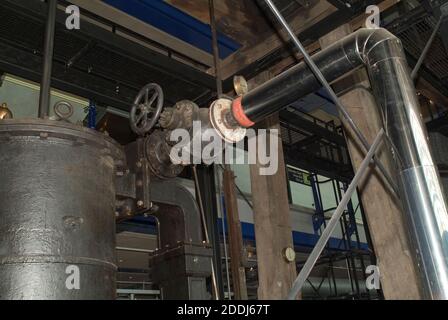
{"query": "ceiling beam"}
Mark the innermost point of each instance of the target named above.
(303, 21)
(305, 18)
(241, 20)
(120, 18)
(428, 90)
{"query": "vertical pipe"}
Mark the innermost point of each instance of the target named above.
(422, 193)
(223, 226)
(45, 87)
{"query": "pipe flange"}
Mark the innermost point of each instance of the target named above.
(220, 110)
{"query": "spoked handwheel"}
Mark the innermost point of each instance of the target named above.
(146, 109)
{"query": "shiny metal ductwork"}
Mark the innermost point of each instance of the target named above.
(421, 192)
(57, 211)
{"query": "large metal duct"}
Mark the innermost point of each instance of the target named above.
(421, 192)
(183, 263)
(57, 210)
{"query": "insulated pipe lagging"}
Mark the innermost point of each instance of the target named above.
(298, 81)
(423, 199)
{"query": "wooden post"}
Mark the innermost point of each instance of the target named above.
(273, 233)
(235, 237)
(399, 276)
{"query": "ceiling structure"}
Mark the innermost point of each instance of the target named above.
(94, 62)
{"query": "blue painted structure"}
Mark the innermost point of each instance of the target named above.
(91, 115)
(175, 22)
(301, 239)
(319, 215)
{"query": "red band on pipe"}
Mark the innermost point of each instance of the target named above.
(239, 115)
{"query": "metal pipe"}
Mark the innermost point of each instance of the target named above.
(326, 234)
(422, 194)
(419, 182)
(134, 250)
(218, 175)
(45, 87)
(318, 74)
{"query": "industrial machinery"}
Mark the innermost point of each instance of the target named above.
(64, 186)
(419, 183)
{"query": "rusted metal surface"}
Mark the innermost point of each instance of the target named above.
(58, 200)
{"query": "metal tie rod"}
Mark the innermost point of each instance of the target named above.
(427, 47)
(45, 86)
(330, 90)
(321, 243)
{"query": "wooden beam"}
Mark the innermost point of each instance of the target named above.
(235, 237)
(432, 93)
(273, 232)
(245, 56)
(241, 20)
(306, 18)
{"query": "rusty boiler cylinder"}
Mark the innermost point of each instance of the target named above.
(57, 220)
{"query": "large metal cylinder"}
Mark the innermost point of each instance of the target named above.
(57, 211)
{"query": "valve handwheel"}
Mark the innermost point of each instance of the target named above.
(144, 115)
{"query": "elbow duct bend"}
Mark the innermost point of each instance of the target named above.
(423, 199)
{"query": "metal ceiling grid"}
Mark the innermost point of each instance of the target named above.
(110, 72)
(414, 39)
